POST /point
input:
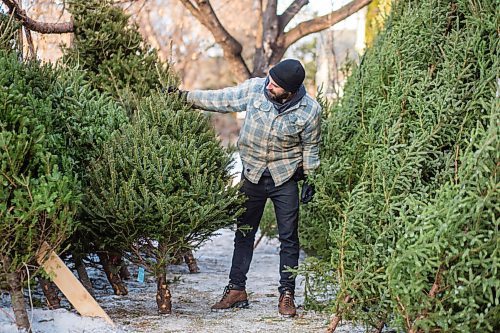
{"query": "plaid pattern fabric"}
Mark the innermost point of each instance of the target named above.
(280, 142)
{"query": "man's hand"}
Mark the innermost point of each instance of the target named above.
(175, 90)
(307, 192)
(299, 174)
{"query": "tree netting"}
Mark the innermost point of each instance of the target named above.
(405, 227)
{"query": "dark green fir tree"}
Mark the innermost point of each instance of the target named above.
(160, 187)
(161, 184)
(51, 125)
(405, 222)
(113, 53)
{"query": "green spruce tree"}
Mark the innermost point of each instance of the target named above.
(113, 53)
(161, 186)
(116, 61)
(37, 200)
(51, 125)
(405, 223)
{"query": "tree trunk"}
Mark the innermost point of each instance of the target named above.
(333, 324)
(191, 262)
(258, 241)
(108, 262)
(163, 296)
(17, 300)
(380, 327)
(337, 318)
(51, 293)
(82, 274)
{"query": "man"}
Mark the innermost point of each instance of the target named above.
(278, 145)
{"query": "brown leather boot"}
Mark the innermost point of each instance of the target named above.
(231, 298)
(286, 305)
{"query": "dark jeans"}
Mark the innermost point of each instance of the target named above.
(286, 206)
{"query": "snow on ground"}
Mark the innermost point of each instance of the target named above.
(192, 296)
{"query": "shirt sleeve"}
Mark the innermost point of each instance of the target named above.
(232, 99)
(311, 136)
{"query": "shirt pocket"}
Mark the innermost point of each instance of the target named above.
(259, 111)
(289, 134)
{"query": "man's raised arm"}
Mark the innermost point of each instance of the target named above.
(232, 99)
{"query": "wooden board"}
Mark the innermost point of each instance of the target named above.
(69, 285)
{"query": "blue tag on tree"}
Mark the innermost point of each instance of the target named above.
(140, 275)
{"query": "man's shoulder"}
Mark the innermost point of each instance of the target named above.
(256, 83)
(312, 104)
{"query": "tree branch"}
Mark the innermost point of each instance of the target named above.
(322, 22)
(334, 322)
(270, 34)
(290, 13)
(41, 27)
(202, 10)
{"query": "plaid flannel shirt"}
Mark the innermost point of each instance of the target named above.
(280, 142)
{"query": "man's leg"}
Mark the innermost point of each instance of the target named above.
(244, 239)
(286, 205)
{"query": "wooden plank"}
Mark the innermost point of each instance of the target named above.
(69, 285)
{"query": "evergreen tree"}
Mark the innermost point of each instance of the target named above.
(405, 221)
(117, 62)
(37, 200)
(51, 125)
(113, 54)
(161, 185)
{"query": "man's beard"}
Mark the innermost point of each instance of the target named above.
(280, 98)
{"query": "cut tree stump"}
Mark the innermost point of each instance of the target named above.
(110, 263)
(69, 285)
(190, 261)
(82, 273)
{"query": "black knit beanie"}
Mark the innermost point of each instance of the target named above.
(288, 74)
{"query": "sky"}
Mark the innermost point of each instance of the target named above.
(322, 7)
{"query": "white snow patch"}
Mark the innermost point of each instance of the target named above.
(192, 296)
(236, 167)
(56, 321)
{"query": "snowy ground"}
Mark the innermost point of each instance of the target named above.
(192, 294)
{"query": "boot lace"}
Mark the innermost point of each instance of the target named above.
(225, 293)
(287, 299)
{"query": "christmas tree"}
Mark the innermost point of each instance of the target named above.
(405, 223)
(51, 125)
(161, 185)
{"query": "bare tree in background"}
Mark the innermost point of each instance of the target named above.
(180, 43)
(169, 27)
(271, 39)
(189, 46)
